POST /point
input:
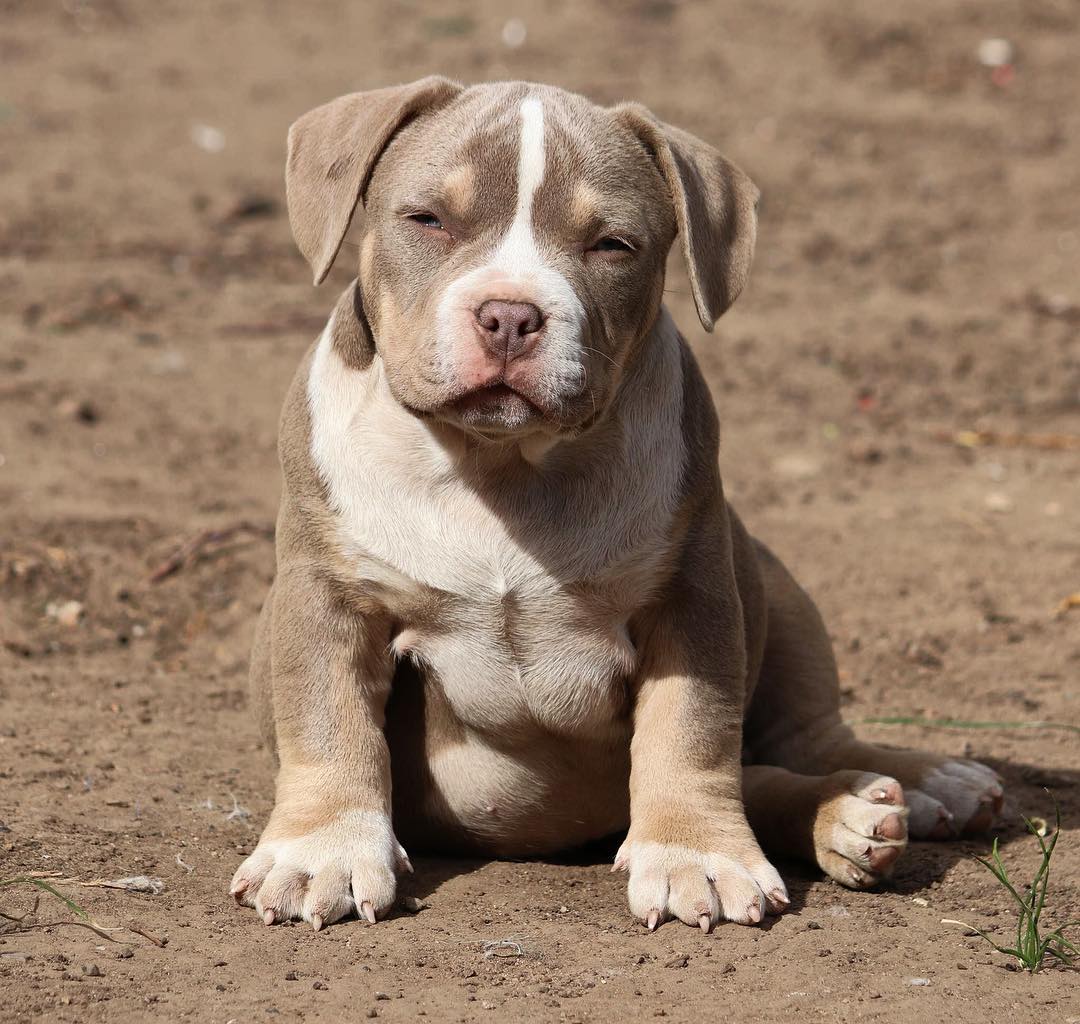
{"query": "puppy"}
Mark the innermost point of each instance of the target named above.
(512, 610)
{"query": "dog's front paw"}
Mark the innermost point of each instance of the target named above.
(732, 882)
(320, 875)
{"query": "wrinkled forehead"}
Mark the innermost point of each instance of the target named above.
(497, 146)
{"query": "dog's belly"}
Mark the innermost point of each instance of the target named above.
(510, 731)
(467, 796)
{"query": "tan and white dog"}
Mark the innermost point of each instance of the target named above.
(513, 611)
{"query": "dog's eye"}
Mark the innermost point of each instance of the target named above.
(428, 220)
(612, 243)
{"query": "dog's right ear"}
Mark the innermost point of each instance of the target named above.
(332, 152)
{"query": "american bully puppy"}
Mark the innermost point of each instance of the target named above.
(513, 611)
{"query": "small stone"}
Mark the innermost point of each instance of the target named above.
(319, 985)
(290, 975)
(381, 996)
(995, 53)
(66, 613)
(373, 1012)
(728, 968)
(920, 902)
(680, 960)
(998, 501)
(93, 971)
(813, 926)
(412, 905)
(919, 982)
(208, 138)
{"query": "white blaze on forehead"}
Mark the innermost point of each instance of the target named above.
(531, 155)
(518, 251)
(517, 270)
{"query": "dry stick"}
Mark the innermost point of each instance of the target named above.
(32, 912)
(187, 551)
(1002, 439)
(96, 929)
(134, 926)
(963, 723)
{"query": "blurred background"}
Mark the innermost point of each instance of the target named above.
(899, 385)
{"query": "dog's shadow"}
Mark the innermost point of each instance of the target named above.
(1031, 792)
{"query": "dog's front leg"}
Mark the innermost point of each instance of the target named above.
(690, 852)
(329, 846)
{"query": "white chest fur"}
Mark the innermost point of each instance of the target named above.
(537, 581)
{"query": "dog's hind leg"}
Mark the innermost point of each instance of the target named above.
(794, 721)
(852, 824)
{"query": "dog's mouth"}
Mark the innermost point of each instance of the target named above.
(496, 405)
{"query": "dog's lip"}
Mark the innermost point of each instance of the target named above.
(492, 392)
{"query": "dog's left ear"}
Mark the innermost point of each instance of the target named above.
(332, 152)
(715, 210)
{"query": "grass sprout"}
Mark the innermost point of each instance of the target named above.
(1034, 948)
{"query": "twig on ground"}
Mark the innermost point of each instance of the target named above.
(187, 552)
(134, 926)
(962, 723)
(1005, 439)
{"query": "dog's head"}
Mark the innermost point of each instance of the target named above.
(513, 239)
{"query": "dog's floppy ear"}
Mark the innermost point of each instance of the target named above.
(715, 210)
(332, 152)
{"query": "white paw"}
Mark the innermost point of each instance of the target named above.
(955, 798)
(698, 888)
(860, 834)
(347, 866)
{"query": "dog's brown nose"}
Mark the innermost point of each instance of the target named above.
(509, 329)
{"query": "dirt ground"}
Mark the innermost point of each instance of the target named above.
(916, 277)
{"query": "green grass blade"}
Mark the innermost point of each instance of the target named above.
(40, 884)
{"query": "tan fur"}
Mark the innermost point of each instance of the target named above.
(459, 188)
(513, 628)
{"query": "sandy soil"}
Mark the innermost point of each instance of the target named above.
(916, 276)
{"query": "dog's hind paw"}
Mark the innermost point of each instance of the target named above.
(954, 798)
(860, 829)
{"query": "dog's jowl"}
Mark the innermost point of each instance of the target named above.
(512, 610)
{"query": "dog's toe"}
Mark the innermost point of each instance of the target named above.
(955, 798)
(860, 834)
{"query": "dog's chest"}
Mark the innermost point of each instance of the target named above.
(518, 627)
(513, 593)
